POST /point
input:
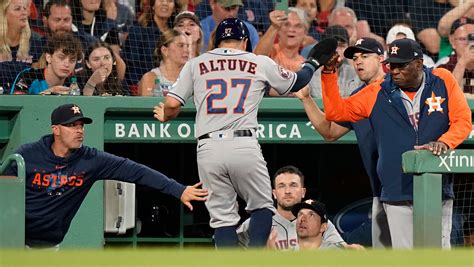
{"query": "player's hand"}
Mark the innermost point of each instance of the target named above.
(303, 93)
(271, 242)
(353, 247)
(159, 112)
(437, 147)
(321, 52)
(332, 63)
(193, 193)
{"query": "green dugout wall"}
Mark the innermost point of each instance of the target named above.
(120, 120)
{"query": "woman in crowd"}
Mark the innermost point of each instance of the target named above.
(142, 38)
(15, 40)
(100, 76)
(291, 30)
(188, 23)
(88, 16)
(171, 55)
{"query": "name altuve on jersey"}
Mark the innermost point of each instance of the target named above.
(227, 64)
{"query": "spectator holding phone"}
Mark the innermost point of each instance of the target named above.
(461, 61)
(188, 23)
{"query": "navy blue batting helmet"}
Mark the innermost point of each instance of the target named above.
(232, 28)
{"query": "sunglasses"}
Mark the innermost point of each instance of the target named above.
(400, 66)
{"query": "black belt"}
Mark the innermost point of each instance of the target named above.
(237, 133)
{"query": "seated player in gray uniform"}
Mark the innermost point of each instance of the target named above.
(289, 190)
(311, 223)
(227, 85)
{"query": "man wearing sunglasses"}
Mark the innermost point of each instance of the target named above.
(413, 107)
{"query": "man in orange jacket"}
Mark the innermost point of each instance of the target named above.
(413, 107)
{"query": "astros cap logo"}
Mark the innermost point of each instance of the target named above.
(76, 109)
(394, 50)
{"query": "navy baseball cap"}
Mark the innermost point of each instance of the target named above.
(364, 45)
(403, 51)
(460, 22)
(337, 32)
(68, 113)
(314, 205)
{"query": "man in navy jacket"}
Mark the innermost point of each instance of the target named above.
(413, 107)
(60, 171)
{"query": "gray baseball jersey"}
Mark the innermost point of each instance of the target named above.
(287, 238)
(228, 86)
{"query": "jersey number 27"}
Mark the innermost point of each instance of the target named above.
(242, 84)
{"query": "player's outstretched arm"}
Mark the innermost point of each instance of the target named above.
(167, 111)
(193, 193)
(317, 57)
(330, 131)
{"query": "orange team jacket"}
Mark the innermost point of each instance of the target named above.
(444, 115)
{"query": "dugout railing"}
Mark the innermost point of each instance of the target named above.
(12, 204)
(427, 170)
(124, 122)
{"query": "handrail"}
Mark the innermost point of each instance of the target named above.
(20, 162)
(12, 205)
(427, 170)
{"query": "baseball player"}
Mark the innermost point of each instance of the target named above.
(60, 171)
(289, 190)
(412, 108)
(227, 85)
(311, 223)
(367, 56)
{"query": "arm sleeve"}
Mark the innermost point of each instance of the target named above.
(117, 168)
(354, 108)
(303, 76)
(460, 115)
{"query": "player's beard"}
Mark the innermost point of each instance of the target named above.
(286, 207)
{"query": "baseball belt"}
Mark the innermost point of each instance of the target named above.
(237, 133)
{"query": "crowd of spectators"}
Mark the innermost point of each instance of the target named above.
(127, 45)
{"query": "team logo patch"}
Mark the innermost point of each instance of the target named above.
(76, 109)
(285, 74)
(359, 42)
(394, 50)
(434, 102)
(227, 31)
